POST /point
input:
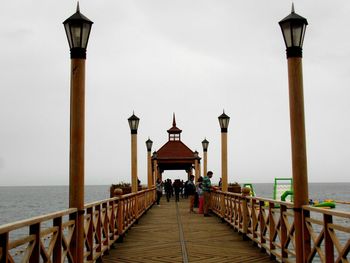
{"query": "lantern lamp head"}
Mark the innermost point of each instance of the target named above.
(149, 144)
(133, 123)
(78, 29)
(224, 121)
(293, 29)
(205, 144)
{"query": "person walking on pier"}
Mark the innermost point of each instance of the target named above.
(168, 189)
(199, 191)
(176, 186)
(191, 190)
(159, 186)
(206, 187)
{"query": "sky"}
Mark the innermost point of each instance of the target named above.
(194, 58)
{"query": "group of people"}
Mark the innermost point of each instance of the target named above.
(197, 192)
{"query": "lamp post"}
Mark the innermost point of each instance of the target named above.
(224, 121)
(77, 29)
(150, 181)
(205, 145)
(134, 124)
(293, 29)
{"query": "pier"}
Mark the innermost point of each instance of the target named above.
(130, 227)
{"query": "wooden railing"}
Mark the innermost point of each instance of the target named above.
(52, 237)
(270, 225)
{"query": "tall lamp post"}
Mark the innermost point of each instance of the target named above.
(205, 145)
(150, 181)
(134, 124)
(293, 29)
(77, 29)
(224, 121)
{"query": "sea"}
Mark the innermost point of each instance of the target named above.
(24, 202)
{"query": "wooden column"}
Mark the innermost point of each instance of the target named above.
(150, 182)
(76, 153)
(196, 170)
(155, 170)
(224, 161)
(134, 184)
(298, 141)
(205, 153)
(189, 172)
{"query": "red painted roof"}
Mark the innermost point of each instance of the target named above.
(175, 150)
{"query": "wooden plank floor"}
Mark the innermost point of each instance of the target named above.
(169, 233)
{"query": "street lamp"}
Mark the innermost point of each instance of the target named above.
(293, 30)
(205, 145)
(150, 182)
(224, 121)
(77, 29)
(134, 124)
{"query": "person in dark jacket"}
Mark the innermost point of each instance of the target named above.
(191, 190)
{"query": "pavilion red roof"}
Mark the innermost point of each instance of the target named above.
(175, 150)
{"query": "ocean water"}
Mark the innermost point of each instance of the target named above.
(23, 202)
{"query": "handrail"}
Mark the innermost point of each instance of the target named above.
(34, 220)
(270, 225)
(52, 237)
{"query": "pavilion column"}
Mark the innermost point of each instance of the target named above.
(196, 170)
(189, 172)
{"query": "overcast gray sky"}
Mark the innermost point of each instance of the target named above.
(194, 58)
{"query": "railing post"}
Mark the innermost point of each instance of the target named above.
(57, 250)
(306, 236)
(222, 206)
(106, 227)
(120, 219)
(73, 243)
(328, 243)
(90, 233)
(284, 254)
(111, 222)
(136, 207)
(245, 218)
(4, 246)
(271, 230)
(35, 255)
(254, 219)
(262, 224)
(98, 229)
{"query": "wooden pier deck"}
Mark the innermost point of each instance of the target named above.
(169, 233)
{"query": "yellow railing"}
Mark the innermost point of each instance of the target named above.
(52, 237)
(270, 225)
